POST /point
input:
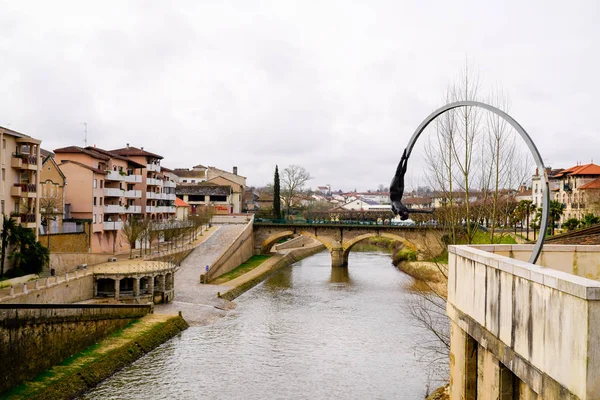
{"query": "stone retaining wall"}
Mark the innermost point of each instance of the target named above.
(277, 262)
(238, 253)
(34, 339)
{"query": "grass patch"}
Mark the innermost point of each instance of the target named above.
(87, 368)
(248, 266)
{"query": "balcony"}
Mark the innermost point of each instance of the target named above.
(113, 192)
(154, 182)
(133, 178)
(113, 226)
(133, 194)
(151, 209)
(114, 209)
(153, 167)
(28, 220)
(169, 196)
(114, 176)
(23, 190)
(24, 161)
(170, 184)
(152, 196)
(133, 209)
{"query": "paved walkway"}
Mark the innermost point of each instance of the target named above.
(198, 302)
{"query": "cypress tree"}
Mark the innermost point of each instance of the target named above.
(276, 195)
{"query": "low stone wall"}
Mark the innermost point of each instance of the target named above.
(231, 219)
(538, 323)
(68, 288)
(32, 339)
(239, 252)
(275, 263)
(578, 260)
(66, 242)
(66, 262)
(299, 241)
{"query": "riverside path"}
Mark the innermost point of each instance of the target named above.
(197, 301)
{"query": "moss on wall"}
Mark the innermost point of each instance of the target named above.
(90, 367)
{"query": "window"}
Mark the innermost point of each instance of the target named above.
(95, 200)
(2, 205)
(100, 200)
(3, 175)
(94, 219)
(101, 183)
(95, 183)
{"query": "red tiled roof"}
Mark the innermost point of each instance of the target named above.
(77, 149)
(180, 203)
(586, 169)
(595, 184)
(115, 155)
(134, 151)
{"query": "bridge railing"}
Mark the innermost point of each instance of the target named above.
(334, 222)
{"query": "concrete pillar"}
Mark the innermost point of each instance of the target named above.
(494, 380)
(151, 285)
(463, 364)
(161, 283)
(337, 258)
(136, 287)
(117, 288)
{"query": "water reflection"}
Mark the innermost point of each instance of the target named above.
(340, 275)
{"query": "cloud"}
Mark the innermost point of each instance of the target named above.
(336, 87)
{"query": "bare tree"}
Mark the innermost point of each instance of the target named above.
(51, 209)
(132, 230)
(293, 178)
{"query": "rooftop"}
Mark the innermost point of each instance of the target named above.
(134, 151)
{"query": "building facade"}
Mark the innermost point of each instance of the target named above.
(21, 165)
(110, 187)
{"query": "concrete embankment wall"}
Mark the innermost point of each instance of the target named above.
(33, 338)
(239, 252)
(68, 288)
(270, 266)
(299, 241)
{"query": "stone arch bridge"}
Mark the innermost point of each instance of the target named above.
(339, 238)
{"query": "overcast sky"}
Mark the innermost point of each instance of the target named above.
(334, 86)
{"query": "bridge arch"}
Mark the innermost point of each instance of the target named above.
(266, 244)
(347, 247)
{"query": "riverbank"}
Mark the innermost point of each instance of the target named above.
(236, 287)
(86, 369)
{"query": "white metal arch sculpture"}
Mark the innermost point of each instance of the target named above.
(397, 186)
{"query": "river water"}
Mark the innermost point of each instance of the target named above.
(308, 332)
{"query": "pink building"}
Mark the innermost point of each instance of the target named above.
(109, 188)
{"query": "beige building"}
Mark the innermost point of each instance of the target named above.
(21, 166)
(578, 190)
(206, 194)
(200, 173)
(52, 196)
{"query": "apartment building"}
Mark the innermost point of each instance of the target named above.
(110, 187)
(578, 190)
(158, 186)
(21, 164)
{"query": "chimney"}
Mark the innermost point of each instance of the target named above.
(235, 170)
(142, 147)
(127, 145)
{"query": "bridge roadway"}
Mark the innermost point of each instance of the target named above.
(339, 237)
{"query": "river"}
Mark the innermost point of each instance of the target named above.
(308, 332)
